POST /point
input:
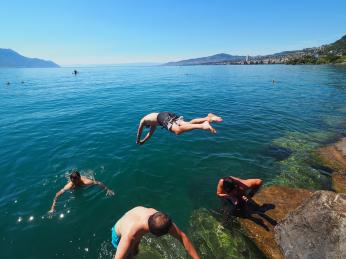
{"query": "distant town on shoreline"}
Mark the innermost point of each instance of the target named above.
(325, 54)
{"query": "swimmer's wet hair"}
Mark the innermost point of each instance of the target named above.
(159, 223)
(74, 175)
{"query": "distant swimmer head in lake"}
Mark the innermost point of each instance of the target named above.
(134, 224)
(76, 180)
(236, 192)
(75, 72)
(174, 123)
(8, 83)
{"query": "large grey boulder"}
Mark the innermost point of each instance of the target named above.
(316, 229)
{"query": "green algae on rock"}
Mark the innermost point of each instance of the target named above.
(300, 168)
(215, 241)
(165, 247)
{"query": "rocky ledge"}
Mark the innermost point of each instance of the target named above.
(334, 157)
(316, 229)
(273, 204)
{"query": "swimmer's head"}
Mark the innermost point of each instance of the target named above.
(75, 176)
(229, 185)
(159, 224)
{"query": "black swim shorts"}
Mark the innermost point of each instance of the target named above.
(166, 119)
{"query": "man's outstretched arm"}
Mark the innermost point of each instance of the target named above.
(149, 134)
(139, 132)
(180, 235)
(58, 194)
(109, 192)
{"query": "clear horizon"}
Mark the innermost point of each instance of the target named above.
(114, 32)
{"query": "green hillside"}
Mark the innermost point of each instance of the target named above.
(338, 46)
(328, 54)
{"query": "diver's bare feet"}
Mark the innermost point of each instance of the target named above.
(213, 118)
(207, 126)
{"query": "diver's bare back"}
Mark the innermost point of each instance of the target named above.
(150, 119)
(134, 223)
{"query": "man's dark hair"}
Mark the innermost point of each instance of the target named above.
(159, 223)
(229, 185)
(74, 175)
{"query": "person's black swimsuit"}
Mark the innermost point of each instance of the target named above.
(166, 119)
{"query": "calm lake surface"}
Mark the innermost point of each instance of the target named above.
(55, 122)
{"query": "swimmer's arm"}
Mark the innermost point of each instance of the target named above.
(123, 247)
(149, 134)
(58, 194)
(182, 237)
(103, 186)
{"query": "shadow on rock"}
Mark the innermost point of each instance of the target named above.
(253, 209)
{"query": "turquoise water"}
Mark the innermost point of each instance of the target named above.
(55, 122)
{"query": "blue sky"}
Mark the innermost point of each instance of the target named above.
(110, 32)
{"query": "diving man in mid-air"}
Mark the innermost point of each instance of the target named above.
(174, 123)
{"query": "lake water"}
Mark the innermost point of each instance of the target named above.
(54, 122)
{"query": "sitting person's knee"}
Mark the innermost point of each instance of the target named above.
(259, 182)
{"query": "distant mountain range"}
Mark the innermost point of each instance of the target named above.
(222, 57)
(325, 54)
(10, 58)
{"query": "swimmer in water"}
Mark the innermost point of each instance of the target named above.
(174, 123)
(75, 72)
(76, 180)
(134, 224)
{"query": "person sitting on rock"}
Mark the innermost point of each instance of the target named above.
(236, 192)
(130, 228)
(174, 123)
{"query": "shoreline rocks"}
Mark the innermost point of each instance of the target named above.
(260, 227)
(316, 229)
(334, 156)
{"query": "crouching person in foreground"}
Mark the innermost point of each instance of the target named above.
(130, 228)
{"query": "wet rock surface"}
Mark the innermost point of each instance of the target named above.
(273, 204)
(214, 241)
(339, 182)
(334, 156)
(316, 229)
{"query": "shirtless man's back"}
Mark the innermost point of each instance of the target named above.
(130, 228)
